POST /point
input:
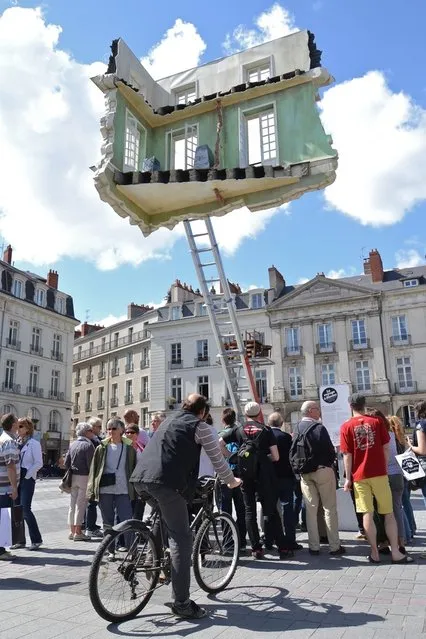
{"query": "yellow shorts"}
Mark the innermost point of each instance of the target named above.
(373, 488)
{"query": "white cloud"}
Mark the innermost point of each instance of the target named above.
(276, 22)
(381, 140)
(335, 274)
(109, 320)
(409, 258)
(181, 48)
(302, 280)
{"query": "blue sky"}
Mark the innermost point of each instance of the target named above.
(378, 125)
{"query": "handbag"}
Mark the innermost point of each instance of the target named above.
(18, 529)
(66, 481)
(108, 479)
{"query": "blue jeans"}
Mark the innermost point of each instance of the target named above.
(5, 502)
(112, 507)
(286, 496)
(25, 498)
(408, 509)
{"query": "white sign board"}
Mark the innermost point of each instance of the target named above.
(335, 408)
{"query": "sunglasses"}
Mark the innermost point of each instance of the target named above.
(112, 428)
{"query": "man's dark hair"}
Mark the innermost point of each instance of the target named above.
(7, 421)
(229, 416)
(195, 404)
(420, 409)
(357, 402)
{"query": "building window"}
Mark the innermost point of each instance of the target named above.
(292, 340)
(101, 393)
(54, 420)
(261, 385)
(295, 379)
(78, 376)
(17, 288)
(130, 335)
(186, 94)
(176, 312)
(399, 328)
(116, 336)
(57, 346)
(324, 335)
(328, 376)
(176, 353)
(35, 346)
(77, 399)
(128, 399)
(10, 376)
(258, 72)
(88, 400)
(144, 389)
(202, 350)
(129, 362)
(145, 417)
(201, 308)
(114, 393)
(103, 344)
(410, 283)
(132, 143)
(102, 370)
(362, 371)
(60, 305)
(54, 384)
(176, 389)
(359, 334)
(13, 333)
(91, 347)
(181, 145)
(257, 300)
(34, 373)
(39, 297)
(145, 357)
(404, 373)
(261, 137)
(203, 386)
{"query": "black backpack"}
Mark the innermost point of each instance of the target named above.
(248, 457)
(302, 457)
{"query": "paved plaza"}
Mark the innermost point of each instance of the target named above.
(44, 594)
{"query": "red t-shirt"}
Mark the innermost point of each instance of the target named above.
(364, 437)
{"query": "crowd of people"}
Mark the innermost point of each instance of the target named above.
(257, 463)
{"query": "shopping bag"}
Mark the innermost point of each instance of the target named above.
(66, 481)
(410, 466)
(18, 528)
(5, 528)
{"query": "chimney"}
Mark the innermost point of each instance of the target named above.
(136, 310)
(86, 329)
(52, 279)
(7, 255)
(373, 266)
(276, 281)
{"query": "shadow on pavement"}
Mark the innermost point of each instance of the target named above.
(25, 560)
(65, 551)
(17, 583)
(250, 611)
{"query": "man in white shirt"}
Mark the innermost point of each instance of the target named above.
(9, 469)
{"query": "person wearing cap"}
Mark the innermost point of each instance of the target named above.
(264, 486)
(364, 442)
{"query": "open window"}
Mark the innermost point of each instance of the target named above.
(259, 137)
(181, 147)
(184, 95)
(134, 143)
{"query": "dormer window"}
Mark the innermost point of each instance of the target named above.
(187, 94)
(410, 283)
(17, 288)
(176, 312)
(258, 72)
(39, 297)
(256, 300)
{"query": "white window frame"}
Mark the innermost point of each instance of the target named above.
(57, 344)
(293, 344)
(15, 287)
(262, 63)
(256, 296)
(325, 331)
(132, 123)
(410, 283)
(181, 133)
(13, 332)
(243, 116)
(202, 309)
(261, 381)
(176, 389)
(36, 339)
(185, 91)
(404, 366)
(55, 383)
(10, 374)
(176, 310)
(363, 375)
(399, 336)
(295, 374)
(202, 350)
(176, 353)
(358, 326)
(39, 297)
(203, 380)
(328, 374)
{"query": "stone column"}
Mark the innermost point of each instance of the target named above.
(342, 345)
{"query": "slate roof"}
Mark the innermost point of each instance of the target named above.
(392, 280)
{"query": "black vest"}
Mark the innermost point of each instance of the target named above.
(171, 457)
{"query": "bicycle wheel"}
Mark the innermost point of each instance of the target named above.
(216, 551)
(122, 583)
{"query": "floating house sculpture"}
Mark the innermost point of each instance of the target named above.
(240, 131)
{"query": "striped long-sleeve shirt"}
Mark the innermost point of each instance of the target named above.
(209, 440)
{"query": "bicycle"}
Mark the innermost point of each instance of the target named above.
(123, 580)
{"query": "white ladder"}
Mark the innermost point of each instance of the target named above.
(223, 319)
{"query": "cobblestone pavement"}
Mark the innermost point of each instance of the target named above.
(44, 594)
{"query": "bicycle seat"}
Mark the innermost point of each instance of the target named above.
(205, 486)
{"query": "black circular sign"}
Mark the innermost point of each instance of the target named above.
(329, 395)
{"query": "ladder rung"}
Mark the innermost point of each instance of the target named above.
(212, 279)
(209, 264)
(203, 250)
(199, 234)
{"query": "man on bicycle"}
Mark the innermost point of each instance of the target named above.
(168, 471)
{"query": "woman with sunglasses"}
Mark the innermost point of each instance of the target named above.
(113, 463)
(132, 432)
(31, 460)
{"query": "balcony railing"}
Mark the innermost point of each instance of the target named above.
(35, 349)
(89, 379)
(129, 368)
(13, 343)
(326, 347)
(100, 404)
(202, 361)
(88, 406)
(359, 345)
(34, 391)
(57, 355)
(405, 387)
(115, 372)
(122, 341)
(144, 396)
(293, 351)
(76, 409)
(400, 340)
(128, 399)
(144, 363)
(7, 387)
(175, 363)
(59, 395)
(113, 402)
(101, 375)
(77, 381)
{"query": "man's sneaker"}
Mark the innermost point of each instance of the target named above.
(286, 553)
(94, 533)
(7, 556)
(257, 554)
(340, 551)
(81, 537)
(296, 546)
(17, 546)
(190, 611)
(35, 546)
